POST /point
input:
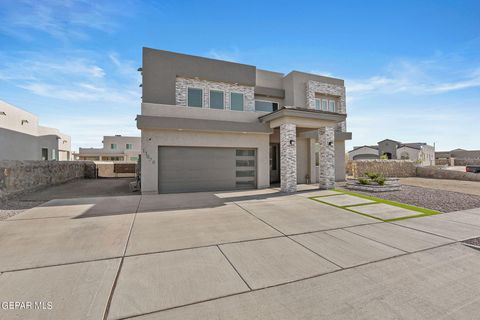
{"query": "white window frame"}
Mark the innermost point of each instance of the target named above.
(128, 144)
(319, 106)
(201, 99)
(243, 106)
(324, 107)
(271, 101)
(334, 105)
(209, 99)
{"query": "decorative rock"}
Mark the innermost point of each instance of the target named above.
(326, 167)
(181, 92)
(288, 157)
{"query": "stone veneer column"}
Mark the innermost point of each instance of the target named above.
(288, 157)
(326, 167)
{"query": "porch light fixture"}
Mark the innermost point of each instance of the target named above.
(24, 121)
(330, 143)
(2, 113)
(292, 142)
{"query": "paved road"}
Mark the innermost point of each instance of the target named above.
(469, 187)
(241, 255)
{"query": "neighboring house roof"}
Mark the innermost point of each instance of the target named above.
(359, 147)
(397, 142)
(413, 145)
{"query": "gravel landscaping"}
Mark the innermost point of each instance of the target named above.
(434, 199)
(10, 208)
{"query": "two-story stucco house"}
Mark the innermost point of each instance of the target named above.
(115, 148)
(22, 138)
(215, 125)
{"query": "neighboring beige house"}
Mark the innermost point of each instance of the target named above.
(458, 157)
(116, 148)
(420, 152)
(22, 138)
(215, 125)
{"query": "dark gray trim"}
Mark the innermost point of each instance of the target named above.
(270, 92)
(153, 122)
(303, 113)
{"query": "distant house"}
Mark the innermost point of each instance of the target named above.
(459, 157)
(22, 138)
(419, 152)
(115, 148)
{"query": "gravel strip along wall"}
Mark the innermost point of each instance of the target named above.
(17, 177)
(389, 168)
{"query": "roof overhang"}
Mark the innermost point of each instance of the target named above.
(172, 123)
(302, 117)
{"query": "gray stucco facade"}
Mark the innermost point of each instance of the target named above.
(272, 127)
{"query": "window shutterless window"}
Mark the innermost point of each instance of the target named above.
(331, 106)
(236, 101)
(267, 106)
(324, 104)
(128, 146)
(217, 99)
(195, 97)
(113, 146)
(318, 104)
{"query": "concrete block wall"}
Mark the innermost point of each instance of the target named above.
(436, 173)
(17, 177)
(182, 85)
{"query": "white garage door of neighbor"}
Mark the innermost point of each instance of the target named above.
(192, 169)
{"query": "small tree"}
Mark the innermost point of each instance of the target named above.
(384, 157)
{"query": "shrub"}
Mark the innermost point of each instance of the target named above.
(380, 180)
(363, 181)
(372, 175)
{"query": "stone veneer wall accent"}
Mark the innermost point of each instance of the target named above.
(182, 84)
(326, 168)
(313, 87)
(288, 157)
(436, 173)
(389, 168)
(17, 177)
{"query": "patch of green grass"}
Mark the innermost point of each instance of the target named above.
(423, 212)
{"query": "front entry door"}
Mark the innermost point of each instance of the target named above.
(274, 163)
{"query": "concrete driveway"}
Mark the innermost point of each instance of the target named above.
(254, 254)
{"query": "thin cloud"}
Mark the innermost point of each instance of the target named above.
(232, 55)
(60, 19)
(422, 78)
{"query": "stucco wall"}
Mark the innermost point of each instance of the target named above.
(20, 146)
(389, 168)
(17, 177)
(152, 139)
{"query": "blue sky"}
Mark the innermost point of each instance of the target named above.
(412, 68)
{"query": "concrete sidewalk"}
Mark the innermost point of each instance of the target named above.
(243, 255)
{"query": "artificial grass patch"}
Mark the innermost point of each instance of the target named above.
(423, 212)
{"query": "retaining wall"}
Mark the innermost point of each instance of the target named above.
(389, 168)
(436, 173)
(17, 177)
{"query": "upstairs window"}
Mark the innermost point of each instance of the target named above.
(236, 101)
(113, 146)
(194, 98)
(324, 104)
(129, 146)
(217, 99)
(331, 105)
(266, 106)
(318, 104)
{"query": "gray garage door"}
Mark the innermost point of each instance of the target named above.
(191, 169)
